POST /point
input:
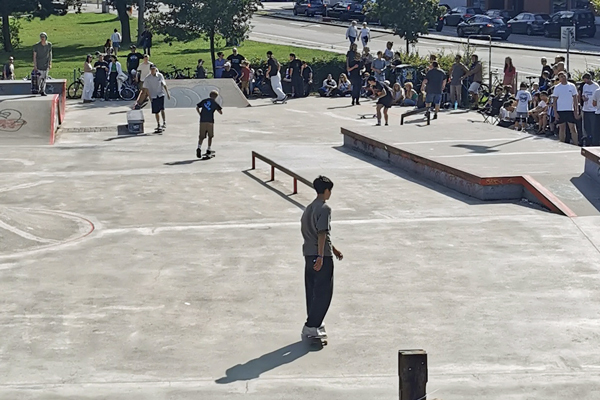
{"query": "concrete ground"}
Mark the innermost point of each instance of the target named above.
(130, 270)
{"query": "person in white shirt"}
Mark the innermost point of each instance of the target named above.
(566, 107)
(157, 88)
(596, 130)
(523, 100)
(115, 38)
(388, 54)
(540, 112)
(508, 115)
(589, 111)
(9, 69)
(365, 34)
(352, 33)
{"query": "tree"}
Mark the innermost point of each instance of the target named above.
(121, 6)
(8, 8)
(407, 18)
(188, 19)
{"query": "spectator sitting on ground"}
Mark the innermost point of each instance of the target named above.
(328, 87)
(508, 115)
(410, 95)
(200, 71)
(397, 94)
(540, 112)
(344, 86)
(495, 102)
(367, 90)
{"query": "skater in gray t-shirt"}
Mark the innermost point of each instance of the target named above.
(318, 256)
(42, 61)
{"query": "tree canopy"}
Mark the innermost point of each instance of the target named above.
(188, 19)
(37, 8)
(407, 18)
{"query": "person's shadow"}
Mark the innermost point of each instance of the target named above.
(253, 368)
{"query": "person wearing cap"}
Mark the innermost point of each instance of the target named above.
(133, 59)
(229, 72)
(274, 76)
(42, 61)
(88, 80)
(219, 65)
(235, 60)
(9, 69)
(157, 88)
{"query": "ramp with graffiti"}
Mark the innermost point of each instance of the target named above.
(29, 119)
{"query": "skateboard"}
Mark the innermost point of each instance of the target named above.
(159, 130)
(206, 156)
(365, 116)
(35, 88)
(317, 340)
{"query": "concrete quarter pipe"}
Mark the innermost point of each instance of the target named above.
(29, 119)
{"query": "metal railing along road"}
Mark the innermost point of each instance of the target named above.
(275, 165)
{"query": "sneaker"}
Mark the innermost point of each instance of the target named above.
(164, 125)
(321, 331)
(42, 94)
(309, 332)
(199, 153)
(386, 124)
(358, 103)
(378, 124)
(435, 116)
(209, 152)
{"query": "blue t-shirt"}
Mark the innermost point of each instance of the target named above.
(207, 110)
(219, 67)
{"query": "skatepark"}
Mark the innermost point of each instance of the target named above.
(132, 270)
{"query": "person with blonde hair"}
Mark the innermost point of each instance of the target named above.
(344, 87)
(397, 94)
(410, 95)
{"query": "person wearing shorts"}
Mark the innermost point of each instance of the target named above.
(476, 71)
(434, 84)
(206, 109)
(567, 108)
(383, 95)
(157, 88)
(523, 100)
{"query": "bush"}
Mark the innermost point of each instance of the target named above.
(15, 26)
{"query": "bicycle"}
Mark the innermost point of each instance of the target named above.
(75, 89)
(128, 91)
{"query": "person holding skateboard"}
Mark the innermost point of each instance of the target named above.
(157, 88)
(318, 256)
(206, 109)
(275, 77)
(42, 61)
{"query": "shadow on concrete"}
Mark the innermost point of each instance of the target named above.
(282, 195)
(267, 362)
(588, 188)
(487, 149)
(346, 106)
(184, 162)
(110, 139)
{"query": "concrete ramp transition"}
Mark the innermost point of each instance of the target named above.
(29, 119)
(186, 93)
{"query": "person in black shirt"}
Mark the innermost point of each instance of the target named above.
(353, 66)
(206, 109)
(274, 76)
(296, 74)
(545, 68)
(307, 77)
(133, 59)
(200, 71)
(235, 60)
(383, 95)
(100, 78)
(229, 72)
(146, 40)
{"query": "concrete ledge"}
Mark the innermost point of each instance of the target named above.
(482, 188)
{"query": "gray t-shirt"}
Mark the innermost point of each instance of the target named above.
(435, 80)
(458, 70)
(154, 84)
(43, 55)
(316, 218)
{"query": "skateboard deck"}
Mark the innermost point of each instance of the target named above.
(365, 116)
(34, 82)
(158, 130)
(284, 101)
(208, 156)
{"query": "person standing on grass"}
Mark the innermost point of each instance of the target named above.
(157, 88)
(42, 61)
(365, 35)
(296, 73)
(9, 69)
(219, 65)
(116, 41)
(88, 80)
(589, 111)
(206, 109)
(101, 77)
(434, 84)
(147, 41)
(108, 48)
(235, 59)
(456, 73)
(352, 33)
(318, 252)
(567, 108)
(274, 76)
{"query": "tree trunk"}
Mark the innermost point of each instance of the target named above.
(121, 7)
(141, 21)
(211, 36)
(6, 32)
(407, 47)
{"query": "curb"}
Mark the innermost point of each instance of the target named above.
(441, 38)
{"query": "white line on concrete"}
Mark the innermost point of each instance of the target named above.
(24, 186)
(254, 131)
(23, 234)
(333, 115)
(19, 160)
(297, 111)
(507, 154)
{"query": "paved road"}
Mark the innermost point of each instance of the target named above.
(327, 37)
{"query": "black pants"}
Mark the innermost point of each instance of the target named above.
(356, 86)
(147, 50)
(112, 86)
(319, 290)
(99, 87)
(306, 88)
(589, 124)
(298, 84)
(596, 132)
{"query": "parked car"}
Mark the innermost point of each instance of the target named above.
(346, 11)
(309, 7)
(528, 23)
(460, 14)
(584, 21)
(502, 14)
(59, 8)
(484, 25)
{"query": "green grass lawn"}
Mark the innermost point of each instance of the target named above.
(73, 36)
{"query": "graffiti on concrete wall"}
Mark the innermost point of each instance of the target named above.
(11, 120)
